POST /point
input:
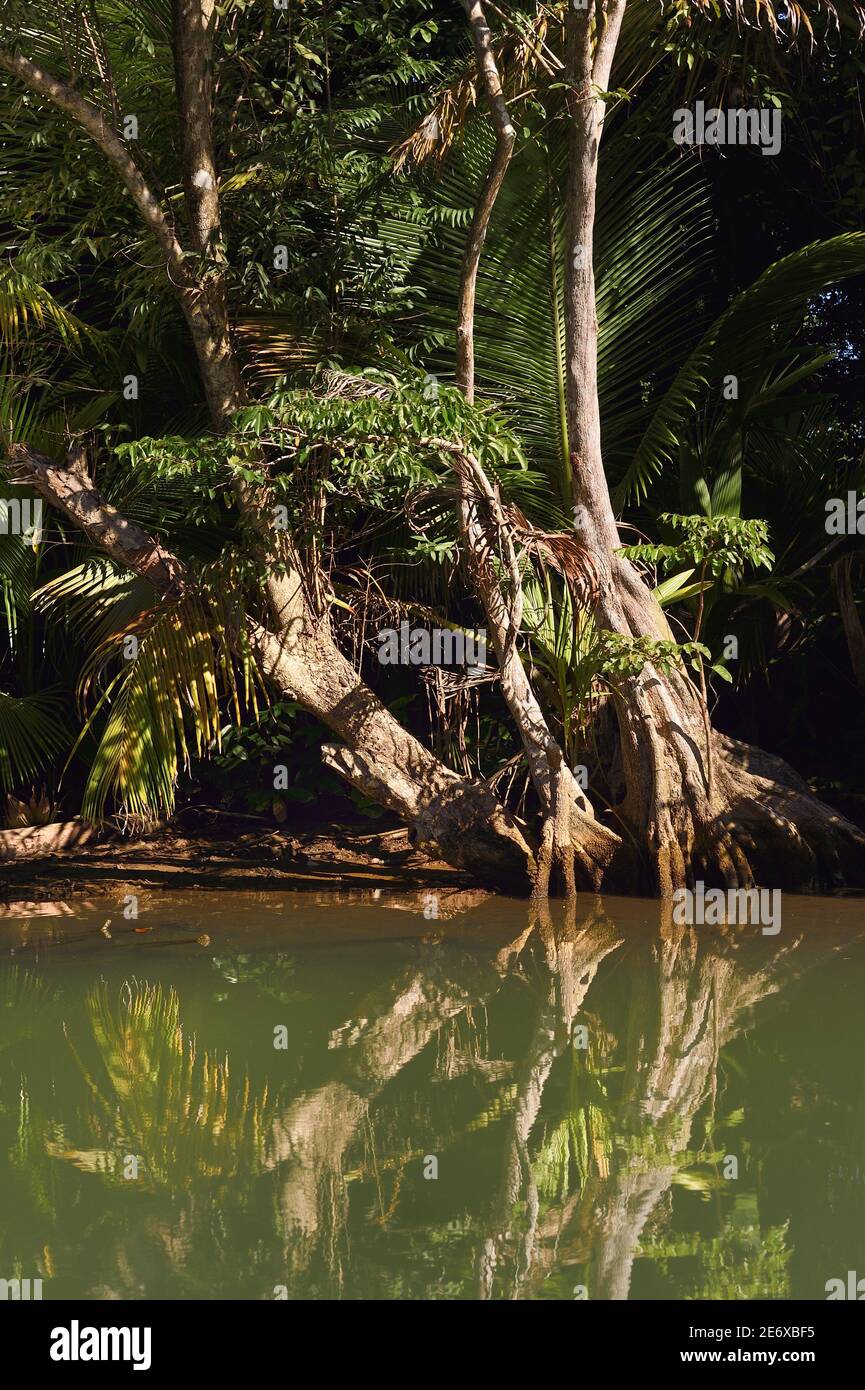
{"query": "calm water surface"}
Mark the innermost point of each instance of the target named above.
(327, 1095)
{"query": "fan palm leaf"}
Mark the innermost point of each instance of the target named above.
(652, 238)
(32, 733)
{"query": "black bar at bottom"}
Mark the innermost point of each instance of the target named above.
(155, 1338)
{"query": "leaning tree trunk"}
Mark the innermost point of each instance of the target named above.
(757, 821)
(737, 826)
(462, 820)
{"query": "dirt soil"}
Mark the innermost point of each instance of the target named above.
(233, 857)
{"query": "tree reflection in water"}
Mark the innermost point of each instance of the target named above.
(558, 1163)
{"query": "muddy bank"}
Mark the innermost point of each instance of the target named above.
(234, 857)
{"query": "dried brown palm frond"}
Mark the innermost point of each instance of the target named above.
(273, 345)
(449, 683)
(561, 551)
(452, 697)
(519, 54)
(350, 386)
(81, 35)
(794, 20)
(523, 53)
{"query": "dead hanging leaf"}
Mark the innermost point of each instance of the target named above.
(450, 683)
(519, 53)
(562, 552)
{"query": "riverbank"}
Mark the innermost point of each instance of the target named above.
(233, 857)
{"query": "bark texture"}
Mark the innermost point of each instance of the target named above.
(505, 137)
(572, 841)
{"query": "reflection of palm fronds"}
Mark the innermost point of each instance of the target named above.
(579, 1146)
(743, 1263)
(161, 1099)
(21, 995)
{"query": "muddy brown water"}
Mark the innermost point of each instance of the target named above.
(384, 1094)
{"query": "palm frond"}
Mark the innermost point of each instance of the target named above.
(794, 19)
(560, 551)
(95, 599)
(652, 241)
(765, 314)
(26, 305)
(32, 733)
(164, 705)
(520, 53)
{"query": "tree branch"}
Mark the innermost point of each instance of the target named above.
(546, 761)
(606, 42)
(308, 668)
(95, 123)
(193, 59)
(542, 751)
(72, 492)
(505, 137)
(202, 296)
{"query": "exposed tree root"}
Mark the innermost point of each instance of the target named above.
(791, 839)
(760, 824)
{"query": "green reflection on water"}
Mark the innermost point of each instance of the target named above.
(705, 1142)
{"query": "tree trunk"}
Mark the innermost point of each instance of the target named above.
(751, 825)
(842, 578)
(505, 136)
(460, 819)
(744, 827)
(570, 842)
